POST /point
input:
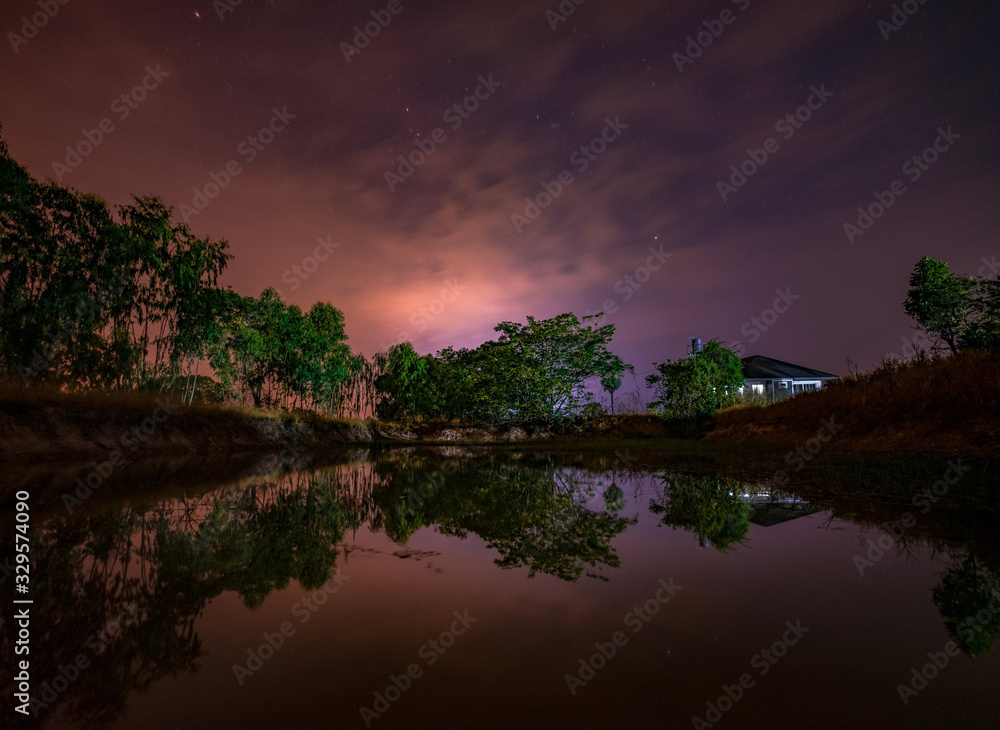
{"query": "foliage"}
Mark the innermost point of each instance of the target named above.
(278, 355)
(700, 385)
(537, 371)
(983, 329)
(129, 584)
(402, 383)
(959, 312)
(549, 361)
(88, 300)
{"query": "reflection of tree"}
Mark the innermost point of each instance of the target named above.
(147, 573)
(531, 513)
(124, 587)
(614, 499)
(969, 600)
(710, 506)
(169, 560)
(533, 523)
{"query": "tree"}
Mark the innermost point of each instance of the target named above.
(700, 385)
(536, 371)
(88, 300)
(939, 301)
(401, 382)
(327, 361)
(611, 379)
(278, 355)
(533, 513)
(169, 271)
(549, 362)
(60, 253)
(983, 329)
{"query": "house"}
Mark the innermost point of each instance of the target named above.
(777, 378)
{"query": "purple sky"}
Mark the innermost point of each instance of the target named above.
(438, 259)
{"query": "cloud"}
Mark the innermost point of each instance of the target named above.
(451, 220)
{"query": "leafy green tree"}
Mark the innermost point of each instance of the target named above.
(548, 363)
(611, 381)
(280, 356)
(90, 301)
(536, 371)
(939, 301)
(459, 383)
(700, 385)
(402, 382)
(328, 363)
(169, 272)
(59, 258)
(983, 330)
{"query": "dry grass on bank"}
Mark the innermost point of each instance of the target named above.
(53, 424)
(948, 406)
(945, 405)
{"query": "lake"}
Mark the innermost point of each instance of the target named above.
(456, 588)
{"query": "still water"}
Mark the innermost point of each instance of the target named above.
(452, 589)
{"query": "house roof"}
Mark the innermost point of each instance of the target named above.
(758, 367)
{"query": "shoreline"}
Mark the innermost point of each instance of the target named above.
(58, 427)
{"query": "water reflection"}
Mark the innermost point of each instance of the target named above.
(711, 507)
(122, 585)
(122, 588)
(968, 598)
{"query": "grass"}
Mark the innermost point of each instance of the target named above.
(54, 424)
(943, 405)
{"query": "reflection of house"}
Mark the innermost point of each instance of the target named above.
(776, 378)
(768, 510)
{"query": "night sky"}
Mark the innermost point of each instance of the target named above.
(439, 259)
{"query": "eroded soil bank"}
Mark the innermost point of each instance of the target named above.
(57, 427)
